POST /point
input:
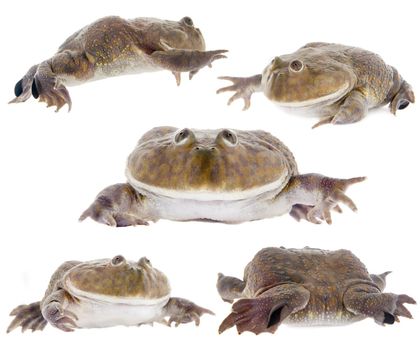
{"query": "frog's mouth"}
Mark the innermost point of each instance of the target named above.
(205, 194)
(322, 100)
(108, 299)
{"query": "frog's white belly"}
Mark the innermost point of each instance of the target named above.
(233, 207)
(140, 63)
(98, 314)
(230, 211)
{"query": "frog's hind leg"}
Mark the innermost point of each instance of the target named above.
(27, 317)
(402, 98)
(25, 86)
(369, 301)
(353, 109)
(267, 311)
(229, 288)
(380, 280)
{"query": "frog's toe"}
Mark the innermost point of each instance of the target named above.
(327, 120)
(23, 88)
(56, 95)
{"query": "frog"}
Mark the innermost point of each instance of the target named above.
(222, 175)
(339, 83)
(307, 287)
(105, 293)
(114, 46)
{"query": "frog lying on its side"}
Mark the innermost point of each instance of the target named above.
(114, 46)
(339, 83)
(105, 293)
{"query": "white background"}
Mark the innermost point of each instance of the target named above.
(53, 165)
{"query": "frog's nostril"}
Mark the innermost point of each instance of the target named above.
(197, 148)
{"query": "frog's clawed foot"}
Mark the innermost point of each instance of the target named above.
(403, 98)
(59, 318)
(243, 88)
(184, 311)
(396, 309)
(331, 193)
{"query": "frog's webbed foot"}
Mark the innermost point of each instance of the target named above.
(243, 88)
(62, 319)
(403, 98)
(42, 83)
(267, 311)
(116, 205)
(384, 308)
(326, 192)
(181, 310)
(23, 88)
(27, 317)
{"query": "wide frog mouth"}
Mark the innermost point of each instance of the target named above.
(205, 194)
(107, 299)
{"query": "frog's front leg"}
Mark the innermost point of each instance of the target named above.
(118, 205)
(54, 311)
(353, 109)
(192, 61)
(243, 88)
(313, 196)
(181, 310)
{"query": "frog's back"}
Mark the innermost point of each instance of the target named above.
(315, 269)
(374, 77)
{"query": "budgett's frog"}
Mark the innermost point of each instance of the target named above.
(339, 83)
(114, 46)
(105, 293)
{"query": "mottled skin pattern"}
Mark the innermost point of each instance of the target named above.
(307, 287)
(222, 175)
(114, 46)
(339, 83)
(103, 282)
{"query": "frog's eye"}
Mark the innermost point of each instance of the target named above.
(183, 135)
(144, 261)
(229, 137)
(296, 66)
(188, 21)
(117, 260)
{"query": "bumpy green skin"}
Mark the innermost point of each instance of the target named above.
(309, 287)
(113, 46)
(102, 280)
(206, 160)
(339, 83)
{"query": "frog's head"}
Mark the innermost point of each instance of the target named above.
(183, 35)
(117, 280)
(306, 78)
(206, 164)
